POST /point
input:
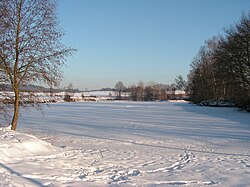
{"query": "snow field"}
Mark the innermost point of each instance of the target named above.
(128, 144)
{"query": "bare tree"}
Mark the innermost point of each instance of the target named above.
(119, 87)
(140, 89)
(30, 45)
(149, 93)
(133, 92)
(69, 92)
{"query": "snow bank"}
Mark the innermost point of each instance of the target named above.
(218, 102)
(15, 146)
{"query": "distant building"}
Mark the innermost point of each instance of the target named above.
(176, 94)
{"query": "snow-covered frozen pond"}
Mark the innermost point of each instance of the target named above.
(151, 119)
(136, 143)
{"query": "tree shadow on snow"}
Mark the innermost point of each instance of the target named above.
(220, 122)
(33, 181)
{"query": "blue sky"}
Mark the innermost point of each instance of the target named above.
(133, 40)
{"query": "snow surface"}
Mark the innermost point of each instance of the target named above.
(127, 144)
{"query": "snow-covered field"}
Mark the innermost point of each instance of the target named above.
(127, 144)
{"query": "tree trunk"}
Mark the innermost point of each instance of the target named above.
(15, 81)
(16, 110)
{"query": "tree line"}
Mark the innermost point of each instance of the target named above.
(151, 91)
(221, 68)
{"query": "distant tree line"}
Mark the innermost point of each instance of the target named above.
(221, 69)
(150, 92)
